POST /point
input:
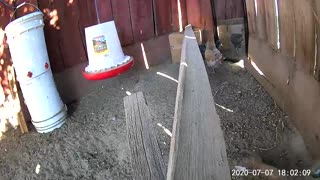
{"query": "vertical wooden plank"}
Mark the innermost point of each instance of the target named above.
(141, 19)
(261, 20)
(87, 14)
(197, 149)
(105, 10)
(68, 23)
(146, 158)
(163, 16)
(251, 12)
(316, 12)
(270, 9)
(177, 21)
(207, 18)
(287, 26)
(194, 12)
(305, 34)
(234, 9)
(51, 32)
(121, 15)
(26, 9)
(220, 7)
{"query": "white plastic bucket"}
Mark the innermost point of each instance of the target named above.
(104, 48)
(28, 50)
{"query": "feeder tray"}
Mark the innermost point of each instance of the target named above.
(108, 73)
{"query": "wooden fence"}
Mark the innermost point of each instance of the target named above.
(65, 20)
(284, 48)
(228, 9)
(136, 21)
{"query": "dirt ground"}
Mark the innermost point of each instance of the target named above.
(254, 126)
(93, 144)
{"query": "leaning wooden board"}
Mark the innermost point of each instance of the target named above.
(197, 149)
(146, 159)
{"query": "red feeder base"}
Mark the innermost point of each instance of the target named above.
(108, 73)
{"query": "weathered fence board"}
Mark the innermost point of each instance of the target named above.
(271, 23)
(251, 16)
(304, 34)
(72, 47)
(194, 12)
(105, 11)
(207, 17)
(287, 26)
(229, 9)
(197, 150)
(121, 15)
(220, 7)
(261, 19)
(179, 14)
(51, 32)
(234, 9)
(162, 16)
(146, 158)
(142, 19)
(316, 11)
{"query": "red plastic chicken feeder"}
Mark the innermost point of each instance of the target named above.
(106, 58)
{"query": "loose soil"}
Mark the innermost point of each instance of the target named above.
(93, 142)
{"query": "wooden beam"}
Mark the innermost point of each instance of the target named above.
(147, 162)
(197, 150)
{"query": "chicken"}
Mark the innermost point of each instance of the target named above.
(213, 56)
(236, 40)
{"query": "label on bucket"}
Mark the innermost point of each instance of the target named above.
(100, 45)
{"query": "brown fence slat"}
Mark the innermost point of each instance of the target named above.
(251, 12)
(87, 13)
(162, 16)
(104, 8)
(175, 14)
(261, 20)
(51, 32)
(316, 12)
(88, 17)
(234, 9)
(287, 26)
(270, 9)
(220, 7)
(70, 43)
(146, 158)
(142, 19)
(121, 15)
(194, 12)
(206, 17)
(305, 35)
